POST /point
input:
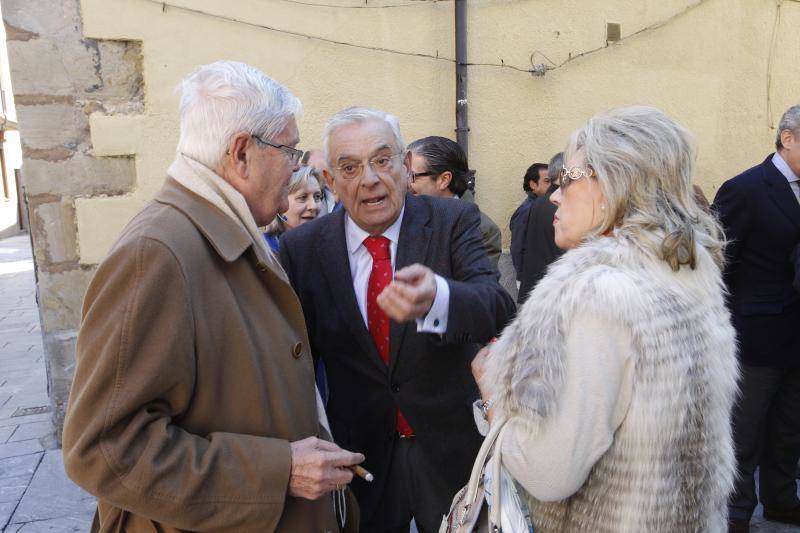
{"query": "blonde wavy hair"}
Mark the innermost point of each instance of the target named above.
(644, 163)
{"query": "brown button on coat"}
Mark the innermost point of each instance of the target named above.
(193, 376)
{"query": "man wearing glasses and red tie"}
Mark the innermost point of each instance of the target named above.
(398, 294)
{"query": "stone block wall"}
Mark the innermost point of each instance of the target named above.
(59, 79)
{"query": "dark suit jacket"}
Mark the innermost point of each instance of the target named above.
(428, 377)
(540, 244)
(519, 228)
(761, 217)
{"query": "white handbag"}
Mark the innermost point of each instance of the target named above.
(468, 512)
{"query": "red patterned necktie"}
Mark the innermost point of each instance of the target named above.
(377, 321)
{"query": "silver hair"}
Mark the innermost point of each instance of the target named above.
(359, 114)
(789, 121)
(644, 163)
(554, 167)
(225, 98)
(298, 180)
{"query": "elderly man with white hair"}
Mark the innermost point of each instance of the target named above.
(405, 297)
(194, 404)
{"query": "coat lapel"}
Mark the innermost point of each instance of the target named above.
(332, 246)
(415, 236)
(781, 193)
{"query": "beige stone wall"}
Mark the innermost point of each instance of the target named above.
(60, 79)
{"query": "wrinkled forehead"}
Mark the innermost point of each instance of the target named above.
(361, 140)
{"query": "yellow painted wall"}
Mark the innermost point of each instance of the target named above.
(725, 68)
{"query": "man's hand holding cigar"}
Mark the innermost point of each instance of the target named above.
(318, 467)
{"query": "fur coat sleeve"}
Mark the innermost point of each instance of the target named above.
(553, 461)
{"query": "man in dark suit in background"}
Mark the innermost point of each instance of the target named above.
(540, 241)
(397, 292)
(760, 211)
(535, 177)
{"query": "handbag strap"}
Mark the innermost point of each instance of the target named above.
(497, 479)
(480, 461)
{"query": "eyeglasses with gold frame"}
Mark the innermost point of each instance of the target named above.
(567, 175)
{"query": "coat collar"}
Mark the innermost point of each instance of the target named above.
(229, 239)
(779, 190)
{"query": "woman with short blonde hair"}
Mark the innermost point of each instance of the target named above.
(305, 202)
(618, 376)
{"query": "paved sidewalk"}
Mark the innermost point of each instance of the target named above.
(35, 493)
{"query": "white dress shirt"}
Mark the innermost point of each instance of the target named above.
(792, 178)
(361, 268)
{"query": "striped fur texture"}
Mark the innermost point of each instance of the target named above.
(671, 465)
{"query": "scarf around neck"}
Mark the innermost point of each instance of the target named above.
(210, 186)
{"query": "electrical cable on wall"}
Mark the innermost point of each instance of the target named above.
(414, 3)
(297, 33)
(535, 69)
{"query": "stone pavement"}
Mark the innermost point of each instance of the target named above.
(35, 493)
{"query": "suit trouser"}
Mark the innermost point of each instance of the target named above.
(410, 492)
(766, 433)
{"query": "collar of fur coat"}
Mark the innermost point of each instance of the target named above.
(606, 275)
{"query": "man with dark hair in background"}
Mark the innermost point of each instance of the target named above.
(535, 183)
(540, 243)
(439, 168)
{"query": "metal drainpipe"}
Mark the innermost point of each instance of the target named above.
(462, 124)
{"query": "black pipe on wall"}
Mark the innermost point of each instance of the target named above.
(462, 124)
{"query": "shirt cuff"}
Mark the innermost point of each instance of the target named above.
(436, 319)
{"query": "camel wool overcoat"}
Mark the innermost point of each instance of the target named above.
(193, 376)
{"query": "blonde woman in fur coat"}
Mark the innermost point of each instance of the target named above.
(619, 373)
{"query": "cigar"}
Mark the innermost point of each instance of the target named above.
(360, 472)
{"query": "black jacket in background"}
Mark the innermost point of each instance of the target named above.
(540, 244)
(519, 226)
(761, 218)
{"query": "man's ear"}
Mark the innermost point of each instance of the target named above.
(788, 138)
(237, 153)
(444, 180)
(407, 163)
